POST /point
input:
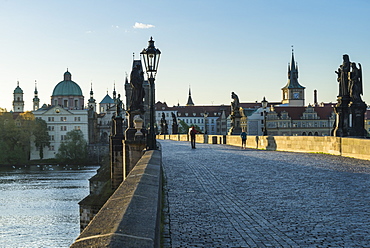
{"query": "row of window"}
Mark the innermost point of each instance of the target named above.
(64, 118)
(63, 128)
(299, 124)
(194, 121)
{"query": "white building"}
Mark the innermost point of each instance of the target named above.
(66, 113)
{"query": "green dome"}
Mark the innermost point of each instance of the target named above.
(67, 87)
(18, 90)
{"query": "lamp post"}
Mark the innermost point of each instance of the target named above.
(264, 106)
(151, 60)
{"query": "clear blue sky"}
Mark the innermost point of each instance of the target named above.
(216, 46)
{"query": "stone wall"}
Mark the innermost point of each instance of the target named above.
(131, 217)
(348, 147)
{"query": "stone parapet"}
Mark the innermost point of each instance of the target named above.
(131, 216)
(348, 147)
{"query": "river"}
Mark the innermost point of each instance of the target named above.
(39, 204)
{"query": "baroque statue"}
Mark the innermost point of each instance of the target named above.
(355, 83)
(138, 93)
(234, 104)
(119, 106)
(350, 109)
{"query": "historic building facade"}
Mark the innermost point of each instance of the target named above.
(65, 113)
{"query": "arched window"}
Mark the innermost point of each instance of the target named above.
(304, 134)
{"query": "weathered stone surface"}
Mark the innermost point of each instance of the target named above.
(131, 216)
(348, 147)
(223, 196)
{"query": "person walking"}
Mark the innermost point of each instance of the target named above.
(243, 135)
(192, 133)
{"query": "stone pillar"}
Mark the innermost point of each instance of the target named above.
(116, 153)
(134, 144)
(358, 110)
(342, 112)
(235, 125)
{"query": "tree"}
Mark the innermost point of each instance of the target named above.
(184, 128)
(73, 149)
(41, 136)
(15, 136)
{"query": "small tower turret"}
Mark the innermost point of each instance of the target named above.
(92, 102)
(18, 103)
(36, 99)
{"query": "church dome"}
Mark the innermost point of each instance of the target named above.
(18, 90)
(67, 87)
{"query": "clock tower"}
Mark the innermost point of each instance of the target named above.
(293, 92)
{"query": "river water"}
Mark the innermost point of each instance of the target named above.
(39, 204)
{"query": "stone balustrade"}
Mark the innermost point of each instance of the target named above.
(349, 147)
(131, 217)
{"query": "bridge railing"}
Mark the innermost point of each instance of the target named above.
(348, 147)
(131, 217)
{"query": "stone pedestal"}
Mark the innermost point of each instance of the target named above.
(116, 153)
(357, 110)
(133, 151)
(235, 125)
(134, 144)
(342, 112)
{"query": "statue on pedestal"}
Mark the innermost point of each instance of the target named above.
(175, 126)
(164, 127)
(350, 109)
(235, 115)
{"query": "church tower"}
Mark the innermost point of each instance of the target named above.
(293, 92)
(190, 100)
(36, 99)
(18, 103)
(92, 102)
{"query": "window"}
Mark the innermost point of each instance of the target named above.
(63, 118)
(50, 118)
(77, 118)
(51, 148)
(166, 114)
(77, 127)
(51, 128)
(76, 103)
(63, 128)
(63, 137)
(65, 104)
(51, 137)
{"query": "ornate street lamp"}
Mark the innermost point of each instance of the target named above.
(264, 106)
(151, 60)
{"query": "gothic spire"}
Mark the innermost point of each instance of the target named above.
(190, 100)
(293, 74)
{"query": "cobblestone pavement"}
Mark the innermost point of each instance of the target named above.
(223, 196)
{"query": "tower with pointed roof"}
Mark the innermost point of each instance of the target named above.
(293, 92)
(36, 99)
(91, 101)
(18, 103)
(190, 100)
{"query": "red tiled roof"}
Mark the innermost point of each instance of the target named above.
(324, 111)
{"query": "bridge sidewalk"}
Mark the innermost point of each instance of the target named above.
(222, 196)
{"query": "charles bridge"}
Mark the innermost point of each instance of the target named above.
(282, 191)
(219, 195)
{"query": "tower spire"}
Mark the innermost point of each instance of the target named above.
(190, 100)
